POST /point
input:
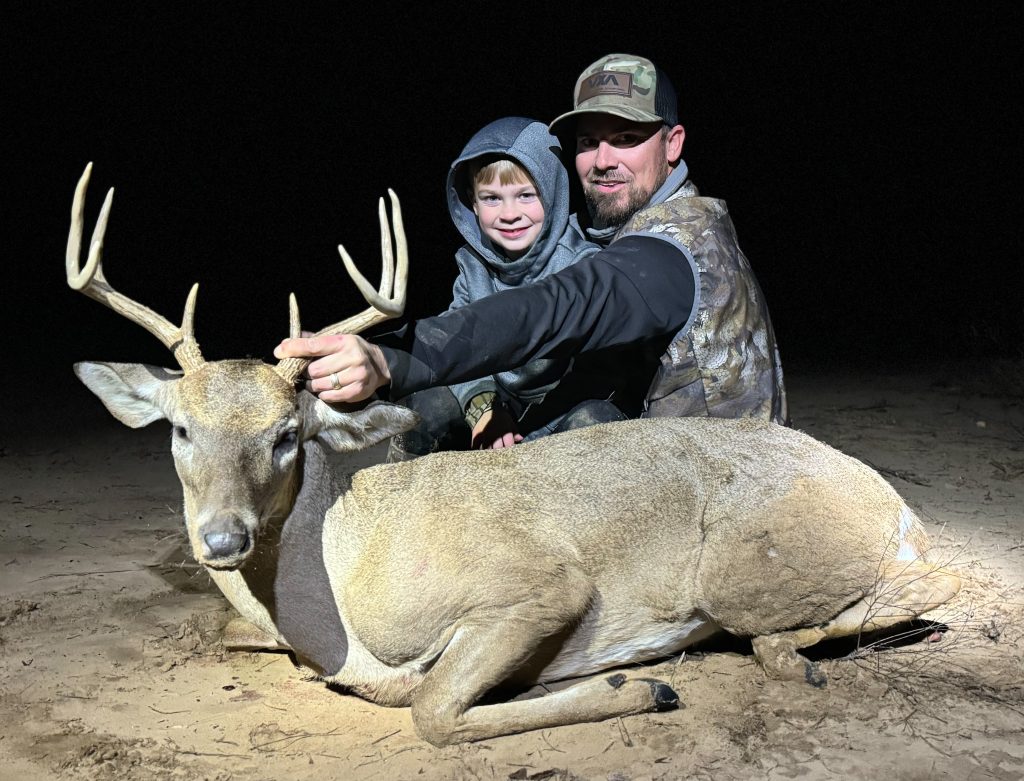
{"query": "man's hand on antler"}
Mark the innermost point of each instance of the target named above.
(344, 368)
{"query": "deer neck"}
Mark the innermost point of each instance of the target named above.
(284, 588)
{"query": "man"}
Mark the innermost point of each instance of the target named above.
(668, 319)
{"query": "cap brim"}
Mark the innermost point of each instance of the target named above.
(636, 115)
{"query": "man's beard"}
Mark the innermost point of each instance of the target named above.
(614, 209)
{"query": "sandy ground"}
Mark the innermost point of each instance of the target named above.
(110, 663)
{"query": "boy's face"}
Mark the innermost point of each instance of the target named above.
(510, 215)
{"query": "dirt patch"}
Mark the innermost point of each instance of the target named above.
(111, 664)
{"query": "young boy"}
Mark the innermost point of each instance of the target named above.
(508, 195)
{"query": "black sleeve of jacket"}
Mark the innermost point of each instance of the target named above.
(637, 288)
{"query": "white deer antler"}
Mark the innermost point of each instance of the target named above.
(386, 303)
(90, 280)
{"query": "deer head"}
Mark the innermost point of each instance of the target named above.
(239, 426)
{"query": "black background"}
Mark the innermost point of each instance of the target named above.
(869, 153)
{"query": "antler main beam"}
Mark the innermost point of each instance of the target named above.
(386, 303)
(90, 280)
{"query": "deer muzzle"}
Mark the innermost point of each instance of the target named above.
(226, 540)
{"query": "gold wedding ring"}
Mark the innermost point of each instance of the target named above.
(335, 382)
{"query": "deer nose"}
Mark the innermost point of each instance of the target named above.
(225, 535)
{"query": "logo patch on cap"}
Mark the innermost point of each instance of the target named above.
(606, 83)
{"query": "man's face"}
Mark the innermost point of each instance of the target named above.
(621, 164)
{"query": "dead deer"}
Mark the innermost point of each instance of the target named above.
(431, 582)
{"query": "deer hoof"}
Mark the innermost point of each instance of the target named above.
(665, 697)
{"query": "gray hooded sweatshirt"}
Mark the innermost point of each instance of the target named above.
(484, 270)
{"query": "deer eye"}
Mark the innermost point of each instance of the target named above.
(181, 433)
(285, 441)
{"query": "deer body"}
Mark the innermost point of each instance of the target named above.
(692, 526)
(429, 583)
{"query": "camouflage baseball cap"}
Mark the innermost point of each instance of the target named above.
(626, 86)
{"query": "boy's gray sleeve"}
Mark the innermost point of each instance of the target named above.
(460, 292)
(464, 391)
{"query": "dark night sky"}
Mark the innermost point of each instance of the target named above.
(869, 152)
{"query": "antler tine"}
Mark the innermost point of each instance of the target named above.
(91, 281)
(402, 273)
(386, 302)
(294, 323)
(387, 276)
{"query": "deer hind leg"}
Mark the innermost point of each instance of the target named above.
(904, 590)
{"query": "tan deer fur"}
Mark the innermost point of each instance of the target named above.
(574, 554)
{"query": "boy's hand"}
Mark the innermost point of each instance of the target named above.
(346, 367)
(495, 429)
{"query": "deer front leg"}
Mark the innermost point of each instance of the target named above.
(242, 635)
(480, 657)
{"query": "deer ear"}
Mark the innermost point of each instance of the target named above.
(134, 393)
(345, 427)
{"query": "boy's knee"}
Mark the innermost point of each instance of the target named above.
(591, 413)
(441, 426)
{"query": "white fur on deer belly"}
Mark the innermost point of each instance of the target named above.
(625, 640)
